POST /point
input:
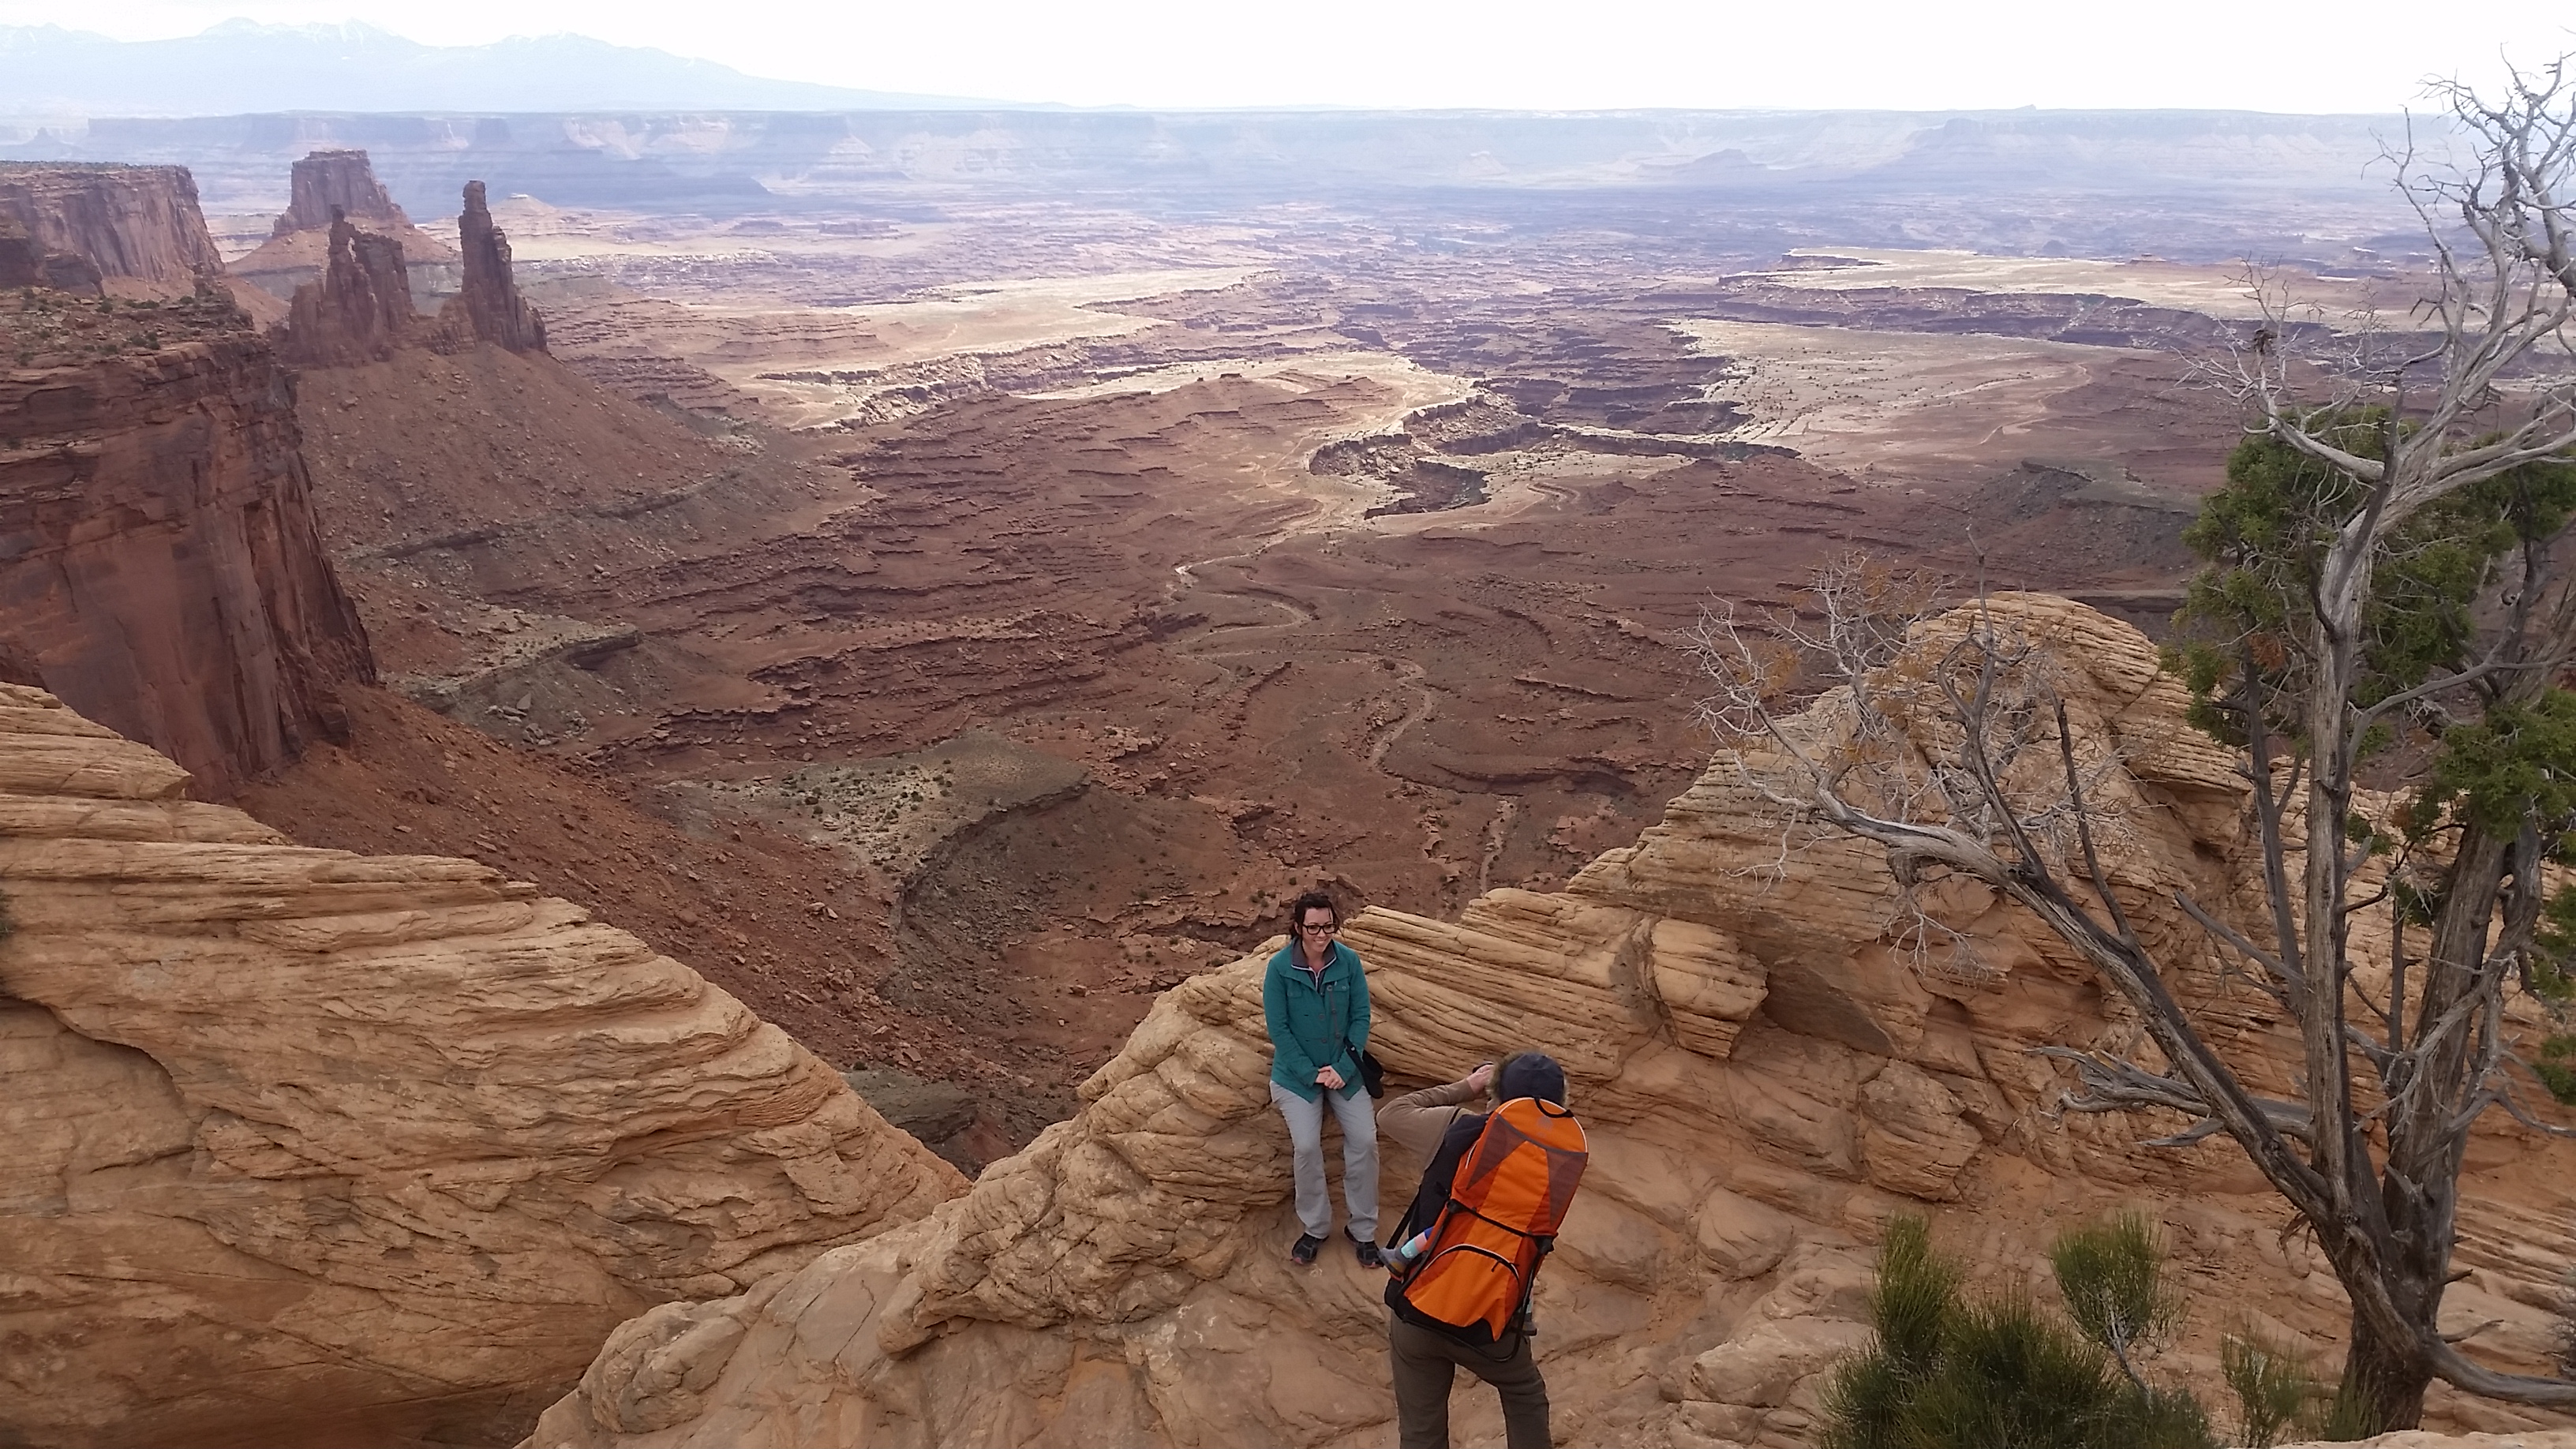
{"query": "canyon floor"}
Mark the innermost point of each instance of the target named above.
(948, 624)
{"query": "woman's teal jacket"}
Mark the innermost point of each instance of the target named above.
(1314, 1026)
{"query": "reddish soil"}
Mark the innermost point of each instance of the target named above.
(1480, 685)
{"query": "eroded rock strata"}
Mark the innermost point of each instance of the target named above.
(331, 183)
(325, 185)
(139, 225)
(159, 558)
(1767, 1081)
(25, 264)
(359, 310)
(308, 1147)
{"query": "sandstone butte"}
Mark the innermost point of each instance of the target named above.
(1767, 1082)
(160, 566)
(307, 1147)
(319, 186)
(360, 308)
(139, 225)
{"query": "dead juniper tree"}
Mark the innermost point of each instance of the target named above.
(2388, 564)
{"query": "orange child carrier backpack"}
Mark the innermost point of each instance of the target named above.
(1506, 1201)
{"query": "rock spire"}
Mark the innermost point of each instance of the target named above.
(359, 311)
(490, 304)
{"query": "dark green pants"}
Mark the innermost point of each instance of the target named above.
(1427, 1363)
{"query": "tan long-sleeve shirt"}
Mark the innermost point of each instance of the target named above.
(1419, 1119)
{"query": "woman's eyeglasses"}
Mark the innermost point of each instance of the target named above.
(1327, 927)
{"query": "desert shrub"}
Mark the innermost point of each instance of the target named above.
(2341, 1417)
(1910, 1311)
(2554, 1067)
(1945, 1373)
(2111, 1274)
(2273, 1386)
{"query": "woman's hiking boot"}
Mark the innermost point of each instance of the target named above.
(1370, 1257)
(1303, 1253)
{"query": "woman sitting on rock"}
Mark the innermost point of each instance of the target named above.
(1315, 1000)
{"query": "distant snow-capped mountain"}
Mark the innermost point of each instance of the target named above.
(239, 66)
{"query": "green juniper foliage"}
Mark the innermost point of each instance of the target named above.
(2557, 1067)
(2494, 762)
(2265, 537)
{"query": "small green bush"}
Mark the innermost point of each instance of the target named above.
(2112, 1276)
(2273, 1386)
(2341, 1417)
(2554, 1070)
(1943, 1373)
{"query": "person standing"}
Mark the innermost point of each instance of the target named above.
(1314, 999)
(1486, 1198)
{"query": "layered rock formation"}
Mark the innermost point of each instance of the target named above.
(359, 311)
(307, 1147)
(1767, 1076)
(490, 304)
(159, 558)
(25, 264)
(325, 185)
(139, 225)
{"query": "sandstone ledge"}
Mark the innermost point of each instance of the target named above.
(1766, 1080)
(303, 1146)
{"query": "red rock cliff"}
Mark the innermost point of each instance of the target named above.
(328, 183)
(159, 559)
(24, 264)
(139, 225)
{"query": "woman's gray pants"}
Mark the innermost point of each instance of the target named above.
(1358, 1116)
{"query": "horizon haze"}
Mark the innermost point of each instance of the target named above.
(1153, 55)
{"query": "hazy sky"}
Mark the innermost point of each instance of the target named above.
(2289, 55)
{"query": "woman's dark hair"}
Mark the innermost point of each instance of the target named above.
(1311, 901)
